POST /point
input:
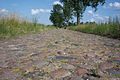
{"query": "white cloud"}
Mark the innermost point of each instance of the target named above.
(3, 10)
(48, 10)
(115, 5)
(92, 20)
(34, 11)
(56, 2)
(111, 4)
(90, 12)
(96, 17)
(101, 18)
(37, 11)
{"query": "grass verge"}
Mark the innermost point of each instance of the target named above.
(13, 25)
(109, 29)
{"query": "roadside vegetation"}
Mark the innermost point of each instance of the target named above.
(109, 29)
(62, 16)
(12, 25)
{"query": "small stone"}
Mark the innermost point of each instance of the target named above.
(61, 53)
(106, 65)
(76, 78)
(74, 62)
(30, 69)
(68, 66)
(51, 67)
(33, 54)
(41, 64)
(81, 71)
(60, 73)
(56, 42)
(65, 58)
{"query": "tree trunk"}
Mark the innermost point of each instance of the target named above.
(78, 18)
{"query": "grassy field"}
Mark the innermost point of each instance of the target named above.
(13, 25)
(109, 29)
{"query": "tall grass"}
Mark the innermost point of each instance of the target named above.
(13, 25)
(111, 28)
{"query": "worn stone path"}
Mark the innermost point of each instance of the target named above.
(60, 55)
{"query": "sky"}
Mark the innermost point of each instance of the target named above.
(41, 9)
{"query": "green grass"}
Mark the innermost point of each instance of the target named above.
(12, 26)
(109, 29)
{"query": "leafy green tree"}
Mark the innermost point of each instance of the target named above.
(79, 6)
(67, 11)
(57, 17)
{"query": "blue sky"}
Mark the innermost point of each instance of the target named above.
(41, 9)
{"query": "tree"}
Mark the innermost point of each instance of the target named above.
(57, 17)
(79, 6)
(61, 16)
(67, 11)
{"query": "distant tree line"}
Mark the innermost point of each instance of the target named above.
(62, 15)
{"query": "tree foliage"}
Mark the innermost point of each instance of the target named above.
(62, 15)
(67, 11)
(79, 6)
(57, 15)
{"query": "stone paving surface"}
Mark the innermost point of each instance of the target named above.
(60, 54)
